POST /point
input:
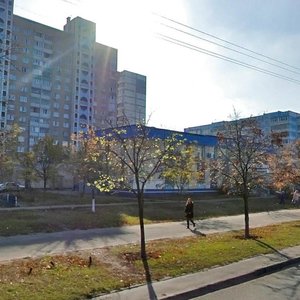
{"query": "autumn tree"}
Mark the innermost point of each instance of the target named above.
(240, 159)
(27, 164)
(47, 155)
(184, 169)
(133, 155)
(89, 164)
(284, 166)
(8, 150)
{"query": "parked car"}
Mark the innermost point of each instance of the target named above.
(11, 186)
(8, 200)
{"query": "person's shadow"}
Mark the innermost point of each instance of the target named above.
(197, 232)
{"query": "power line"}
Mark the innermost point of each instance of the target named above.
(231, 49)
(225, 41)
(225, 58)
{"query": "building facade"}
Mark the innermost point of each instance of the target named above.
(61, 83)
(286, 124)
(131, 101)
(204, 147)
(6, 14)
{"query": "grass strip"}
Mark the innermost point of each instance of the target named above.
(114, 214)
(81, 275)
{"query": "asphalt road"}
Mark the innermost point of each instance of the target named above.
(283, 285)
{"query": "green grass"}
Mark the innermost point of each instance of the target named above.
(70, 278)
(39, 197)
(114, 268)
(116, 211)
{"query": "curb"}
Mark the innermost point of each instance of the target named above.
(201, 291)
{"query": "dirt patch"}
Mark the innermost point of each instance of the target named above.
(134, 256)
(17, 270)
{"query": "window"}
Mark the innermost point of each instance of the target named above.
(35, 109)
(35, 90)
(21, 149)
(23, 99)
(21, 139)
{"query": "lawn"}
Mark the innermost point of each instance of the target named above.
(112, 211)
(81, 275)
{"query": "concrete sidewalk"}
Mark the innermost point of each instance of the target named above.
(51, 243)
(202, 283)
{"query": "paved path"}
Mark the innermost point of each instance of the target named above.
(215, 279)
(50, 243)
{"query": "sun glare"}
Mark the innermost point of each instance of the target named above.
(128, 22)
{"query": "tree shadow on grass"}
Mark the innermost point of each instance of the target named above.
(151, 291)
(267, 246)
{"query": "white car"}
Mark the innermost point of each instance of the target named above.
(11, 186)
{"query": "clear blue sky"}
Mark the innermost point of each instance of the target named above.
(185, 87)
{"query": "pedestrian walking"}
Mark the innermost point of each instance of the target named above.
(295, 199)
(189, 212)
(282, 196)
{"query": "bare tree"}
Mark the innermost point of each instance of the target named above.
(240, 159)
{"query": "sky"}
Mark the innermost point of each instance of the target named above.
(253, 66)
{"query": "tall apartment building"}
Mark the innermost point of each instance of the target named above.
(6, 13)
(131, 101)
(284, 123)
(62, 83)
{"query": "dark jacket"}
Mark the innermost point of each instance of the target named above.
(189, 210)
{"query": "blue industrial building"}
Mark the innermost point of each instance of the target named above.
(153, 132)
(205, 148)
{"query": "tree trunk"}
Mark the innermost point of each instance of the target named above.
(142, 227)
(246, 213)
(45, 182)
